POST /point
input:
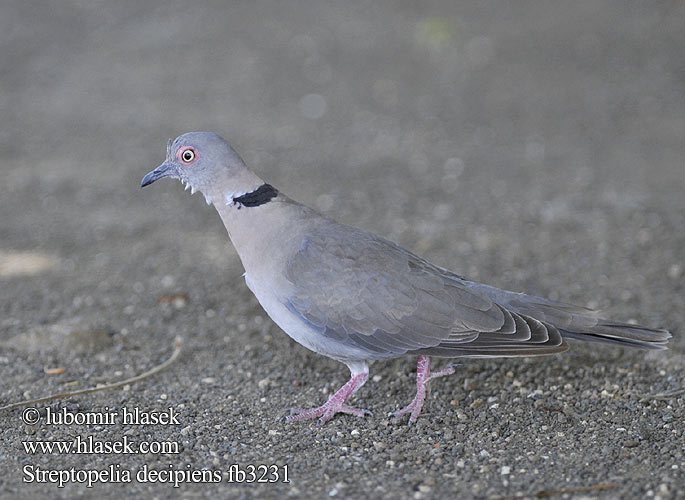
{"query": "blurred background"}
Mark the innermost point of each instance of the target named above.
(531, 145)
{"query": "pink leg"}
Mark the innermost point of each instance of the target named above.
(336, 404)
(423, 376)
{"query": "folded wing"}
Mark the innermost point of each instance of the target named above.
(359, 289)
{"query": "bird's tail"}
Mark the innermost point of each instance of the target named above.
(626, 334)
(578, 323)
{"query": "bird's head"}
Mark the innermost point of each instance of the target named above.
(203, 162)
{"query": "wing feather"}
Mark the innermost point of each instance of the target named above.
(359, 289)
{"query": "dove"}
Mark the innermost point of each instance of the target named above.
(356, 297)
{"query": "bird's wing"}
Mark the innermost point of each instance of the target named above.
(362, 290)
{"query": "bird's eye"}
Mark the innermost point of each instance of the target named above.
(188, 155)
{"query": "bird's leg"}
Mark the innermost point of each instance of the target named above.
(336, 403)
(423, 376)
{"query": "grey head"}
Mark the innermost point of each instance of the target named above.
(205, 162)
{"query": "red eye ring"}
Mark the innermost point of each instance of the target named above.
(186, 155)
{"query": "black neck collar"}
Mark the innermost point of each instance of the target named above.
(263, 194)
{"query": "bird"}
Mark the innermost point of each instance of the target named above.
(357, 297)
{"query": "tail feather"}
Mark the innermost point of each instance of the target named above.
(578, 323)
(623, 334)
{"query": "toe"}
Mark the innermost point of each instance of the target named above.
(357, 412)
(404, 410)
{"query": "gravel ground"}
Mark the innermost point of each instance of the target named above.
(530, 145)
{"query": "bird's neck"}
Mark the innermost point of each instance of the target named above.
(254, 217)
(229, 187)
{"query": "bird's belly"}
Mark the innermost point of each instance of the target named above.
(299, 330)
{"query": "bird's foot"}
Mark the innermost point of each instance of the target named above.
(423, 376)
(324, 413)
(336, 404)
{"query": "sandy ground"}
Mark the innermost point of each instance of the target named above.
(535, 146)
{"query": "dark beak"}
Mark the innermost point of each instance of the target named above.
(166, 169)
